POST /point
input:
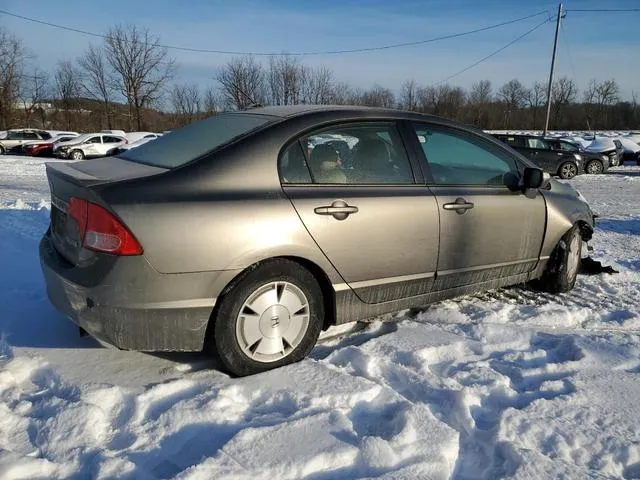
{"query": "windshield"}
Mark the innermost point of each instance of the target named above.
(182, 146)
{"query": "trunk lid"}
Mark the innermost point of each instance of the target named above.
(83, 180)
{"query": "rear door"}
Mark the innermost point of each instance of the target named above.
(374, 222)
(488, 227)
(541, 153)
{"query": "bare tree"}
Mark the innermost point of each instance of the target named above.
(317, 86)
(563, 92)
(536, 98)
(186, 102)
(513, 94)
(409, 95)
(68, 88)
(377, 96)
(13, 56)
(96, 79)
(479, 100)
(34, 88)
(141, 68)
(210, 102)
(285, 79)
(242, 82)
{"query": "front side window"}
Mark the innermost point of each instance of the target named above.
(94, 140)
(458, 158)
(358, 154)
(537, 143)
(568, 147)
(30, 136)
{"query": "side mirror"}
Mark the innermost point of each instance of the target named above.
(532, 178)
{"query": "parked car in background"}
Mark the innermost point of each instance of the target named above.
(612, 148)
(135, 136)
(13, 141)
(130, 145)
(89, 145)
(594, 163)
(631, 150)
(562, 163)
(44, 148)
(173, 246)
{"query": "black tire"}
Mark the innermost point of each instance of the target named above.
(560, 276)
(567, 170)
(595, 167)
(2, 151)
(226, 317)
(76, 155)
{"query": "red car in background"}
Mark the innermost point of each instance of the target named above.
(45, 149)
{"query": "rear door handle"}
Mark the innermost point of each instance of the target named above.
(460, 206)
(339, 209)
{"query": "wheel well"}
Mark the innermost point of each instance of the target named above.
(328, 296)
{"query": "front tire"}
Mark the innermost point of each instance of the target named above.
(271, 316)
(2, 150)
(76, 155)
(567, 170)
(595, 167)
(562, 268)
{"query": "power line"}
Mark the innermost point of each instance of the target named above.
(493, 53)
(603, 10)
(270, 54)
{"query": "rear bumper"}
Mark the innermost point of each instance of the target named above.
(125, 302)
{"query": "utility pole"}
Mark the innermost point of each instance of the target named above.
(553, 63)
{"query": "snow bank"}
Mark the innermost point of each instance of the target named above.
(506, 383)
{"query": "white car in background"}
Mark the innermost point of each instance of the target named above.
(133, 137)
(631, 150)
(89, 145)
(130, 145)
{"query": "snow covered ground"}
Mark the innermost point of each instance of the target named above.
(507, 383)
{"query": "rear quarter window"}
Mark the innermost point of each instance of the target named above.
(182, 146)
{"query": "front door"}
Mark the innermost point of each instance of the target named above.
(376, 226)
(488, 228)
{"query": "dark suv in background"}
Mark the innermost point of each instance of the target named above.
(593, 162)
(562, 163)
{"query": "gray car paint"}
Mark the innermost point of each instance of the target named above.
(226, 211)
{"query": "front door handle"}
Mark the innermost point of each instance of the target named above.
(460, 206)
(339, 209)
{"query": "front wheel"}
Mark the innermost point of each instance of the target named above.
(77, 155)
(2, 151)
(595, 167)
(562, 268)
(270, 317)
(567, 170)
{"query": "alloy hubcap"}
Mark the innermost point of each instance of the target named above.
(569, 170)
(272, 321)
(77, 155)
(574, 256)
(595, 167)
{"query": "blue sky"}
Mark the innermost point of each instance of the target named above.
(602, 45)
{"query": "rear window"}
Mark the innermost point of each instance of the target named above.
(182, 146)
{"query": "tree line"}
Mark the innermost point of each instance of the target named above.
(128, 82)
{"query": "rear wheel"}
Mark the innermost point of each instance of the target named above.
(562, 268)
(567, 170)
(77, 155)
(271, 316)
(595, 167)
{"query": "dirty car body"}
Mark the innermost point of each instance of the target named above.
(144, 248)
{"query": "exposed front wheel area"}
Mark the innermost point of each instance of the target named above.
(271, 316)
(568, 170)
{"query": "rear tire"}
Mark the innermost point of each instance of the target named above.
(567, 170)
(562, 268)
(270, 316)
(595, 167)
(76, 155)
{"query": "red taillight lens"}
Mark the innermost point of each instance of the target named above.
(101, 231)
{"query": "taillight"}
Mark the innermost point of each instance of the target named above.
(101, 231)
